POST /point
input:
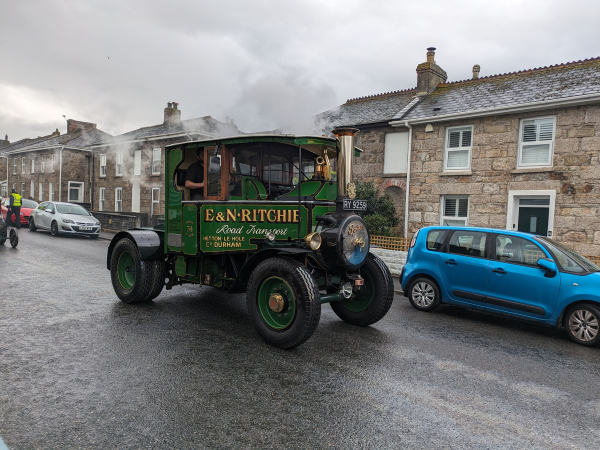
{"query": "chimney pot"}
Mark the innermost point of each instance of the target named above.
(431, 55)
(476, 69)
(169, 105)
(172, 114)
(175, 105)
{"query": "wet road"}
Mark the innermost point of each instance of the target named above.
(79, 369)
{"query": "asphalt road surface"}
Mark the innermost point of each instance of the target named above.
(80, 369)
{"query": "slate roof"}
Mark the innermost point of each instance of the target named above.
(80, 139)
(548, 83)
(562, 81)
(22, 143)
(203, 125)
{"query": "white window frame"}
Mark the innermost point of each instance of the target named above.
(32, 189)
(103, 166)
(23, 190)
(42, 162)
(81, 191)
(118, 164)
(156, 161)
(15, 166)
(154, 201)
(50, 192)
(448, 149)
(444, 218)
(22, 165)
(137, 163)
(102, 199)
(118, 199)
(53, 159)
(41, 193)
(550, 162)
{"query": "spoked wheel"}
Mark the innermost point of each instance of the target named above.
(283, 302)
(132, 278)
(13, 238)
(374, 299)
(54, 229)
(424, 294)
(32, 226)
(582, 323)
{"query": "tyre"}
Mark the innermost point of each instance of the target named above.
(13, 238)
(158, 278)
(374, 299)
(582, 324)
(32, 226)
(424, 294)
(283, 302)
(131, 276)
(54, 229)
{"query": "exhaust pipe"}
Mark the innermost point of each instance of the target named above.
(345, 173)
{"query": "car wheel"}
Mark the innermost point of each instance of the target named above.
(54, 229)
(14, 238)
(424, 294)
(32, 226)
(374, 299)
(283, 302)
(582, 323)
(132, 277)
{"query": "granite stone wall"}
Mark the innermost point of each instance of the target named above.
(576, 163)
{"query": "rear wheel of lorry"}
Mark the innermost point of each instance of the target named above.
(283, 302)
(374, 299)
(132, 278)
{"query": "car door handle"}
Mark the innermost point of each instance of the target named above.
(451, 262)
(499, 271)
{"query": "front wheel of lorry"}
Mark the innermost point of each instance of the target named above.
(374, 299)
(283, 302)
(132, 278)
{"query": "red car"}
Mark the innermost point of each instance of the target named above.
(26, 207)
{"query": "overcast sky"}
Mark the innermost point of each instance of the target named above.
(263, 63)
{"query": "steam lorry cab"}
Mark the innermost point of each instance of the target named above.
(276, 220)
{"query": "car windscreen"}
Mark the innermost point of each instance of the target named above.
(72, 209)
(28, 204)
(568, 259)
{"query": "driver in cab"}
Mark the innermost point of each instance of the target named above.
(194, 179)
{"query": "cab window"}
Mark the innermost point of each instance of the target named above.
(468, 243)
(516, 250)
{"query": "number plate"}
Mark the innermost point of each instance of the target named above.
(85, 228)
(360, 205)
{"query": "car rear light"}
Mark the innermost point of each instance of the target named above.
(414, 239)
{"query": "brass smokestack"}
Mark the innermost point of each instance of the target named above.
(345, 174)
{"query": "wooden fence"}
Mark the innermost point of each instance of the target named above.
(401, 244)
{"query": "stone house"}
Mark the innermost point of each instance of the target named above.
(129, 168)
(516, 151)
(55, 167)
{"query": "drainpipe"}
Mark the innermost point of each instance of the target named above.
(60, 176)
(407, 177)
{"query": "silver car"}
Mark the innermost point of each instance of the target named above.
(64, 218)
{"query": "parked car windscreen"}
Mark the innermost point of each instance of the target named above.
(568, 259)
(28, 204)
(72, 209)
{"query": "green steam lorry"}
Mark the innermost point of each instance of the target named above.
(277, 221)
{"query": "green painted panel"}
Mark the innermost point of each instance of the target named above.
(261, 189)
(190, 229)
(251, 193)
(173, 199)
(308, 188)
(229, 227)
(329, 192)
(180, 266)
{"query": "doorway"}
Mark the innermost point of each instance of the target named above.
(531, 212)
(533, 220)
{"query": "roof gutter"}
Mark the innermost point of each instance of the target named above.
(521, 107)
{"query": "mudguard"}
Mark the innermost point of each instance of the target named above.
(150, 243)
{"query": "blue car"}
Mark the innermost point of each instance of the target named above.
(510, 273)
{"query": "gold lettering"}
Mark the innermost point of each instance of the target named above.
(208, 217)
(261, 213)
(296, 220)
(269, 215)
(220, 217)
(289, 214)
(281, 215)
(245, 215)
(253, 215)
(231, 215)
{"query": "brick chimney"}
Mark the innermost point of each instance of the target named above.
(172, 114)
(73, 126)
(4, 142)
(429, 74)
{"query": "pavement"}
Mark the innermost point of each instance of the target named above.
(81, 370)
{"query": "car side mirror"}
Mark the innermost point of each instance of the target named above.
(548, 265)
